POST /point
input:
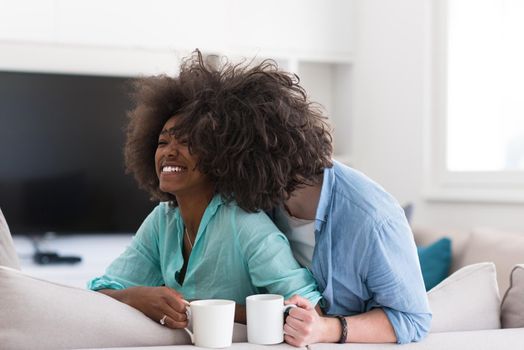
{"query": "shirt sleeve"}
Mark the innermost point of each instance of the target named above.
(270, 261)
(395, 280)
(138, 264)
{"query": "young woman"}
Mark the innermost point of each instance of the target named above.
(205, 239)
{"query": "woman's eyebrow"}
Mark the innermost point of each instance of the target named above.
(170, 131)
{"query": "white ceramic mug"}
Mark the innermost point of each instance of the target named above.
(265, 318)
(212, 322)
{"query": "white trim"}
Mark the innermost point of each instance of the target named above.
(83, 59)
(291, 54)
(69, 58)
(473, 196)
(441, 184)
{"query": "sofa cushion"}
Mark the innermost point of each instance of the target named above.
(512, 309)
(435, 260)
(37, 314)
(505, 249)
(8, 255)
(467, 300)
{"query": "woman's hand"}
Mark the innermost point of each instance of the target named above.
(304, 325)
(155, 303)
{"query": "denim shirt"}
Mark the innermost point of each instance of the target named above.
(365, 256)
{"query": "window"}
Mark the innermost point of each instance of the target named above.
(477, 129)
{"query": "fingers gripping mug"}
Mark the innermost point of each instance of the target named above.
(212, 321)
(265, 318)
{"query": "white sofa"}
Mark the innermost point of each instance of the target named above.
(37, 314)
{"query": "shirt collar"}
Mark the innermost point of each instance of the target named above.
(210, 211)
(325, 196)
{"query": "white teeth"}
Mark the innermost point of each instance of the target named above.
(172, 169)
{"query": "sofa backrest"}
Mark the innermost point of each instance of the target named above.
(505, 249)
(459, 238)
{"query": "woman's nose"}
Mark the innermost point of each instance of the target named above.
(173, 148)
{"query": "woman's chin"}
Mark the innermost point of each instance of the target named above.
(168, 189)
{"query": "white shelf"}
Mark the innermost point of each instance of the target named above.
(291, 55)
(85, 60)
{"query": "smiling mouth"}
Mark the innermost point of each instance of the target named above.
(173, 169)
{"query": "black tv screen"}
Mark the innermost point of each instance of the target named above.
(61, 155)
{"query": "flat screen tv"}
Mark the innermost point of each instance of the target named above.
(61, 155)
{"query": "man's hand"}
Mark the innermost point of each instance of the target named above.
(304, 325)
(155, 303)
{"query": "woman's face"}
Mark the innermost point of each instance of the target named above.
(176, 167)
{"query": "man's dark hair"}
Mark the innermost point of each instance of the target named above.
(251, 128)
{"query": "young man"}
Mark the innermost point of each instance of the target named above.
(355, 239)
(345, 228)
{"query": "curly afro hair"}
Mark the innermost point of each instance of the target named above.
(251, 128)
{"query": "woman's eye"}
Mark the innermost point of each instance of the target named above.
(182, 141)
(162, 143)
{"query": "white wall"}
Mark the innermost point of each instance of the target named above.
(392, 51)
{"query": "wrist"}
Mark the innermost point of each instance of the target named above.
(332, 330)
(116, 294)
(344, 329)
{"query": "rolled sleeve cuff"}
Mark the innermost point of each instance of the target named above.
(408, 327)
(103, 283)
(314, 298)
(312, 295)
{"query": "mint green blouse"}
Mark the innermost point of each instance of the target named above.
(235, 254)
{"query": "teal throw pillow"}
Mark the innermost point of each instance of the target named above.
(435, 260)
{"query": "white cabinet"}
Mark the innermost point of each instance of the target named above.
(27, 20)
(157, 25)
(320, 28)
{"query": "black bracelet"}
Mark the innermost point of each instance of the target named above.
(344, 324)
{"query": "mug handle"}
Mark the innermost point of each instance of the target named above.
(191, 335)
(286, 308)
